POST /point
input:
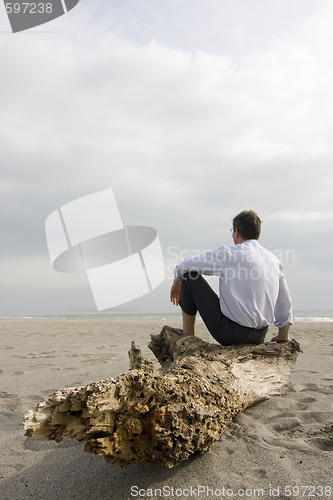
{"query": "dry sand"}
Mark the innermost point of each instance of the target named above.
(284, 442)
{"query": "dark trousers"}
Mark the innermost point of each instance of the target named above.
(196, 295)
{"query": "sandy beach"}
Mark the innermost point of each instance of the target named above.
(280, 448)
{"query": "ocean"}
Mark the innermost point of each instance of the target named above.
(299, 315)
(325, 315)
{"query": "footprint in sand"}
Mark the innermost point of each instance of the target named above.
(9, 401)
(261, 473)
(322, 437)
(286, 423)
(315, 388)
(308, 400)
(314, 427)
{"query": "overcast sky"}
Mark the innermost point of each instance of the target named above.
(191, 110)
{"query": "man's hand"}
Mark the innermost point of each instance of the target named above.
(282, 336)
(175, 291)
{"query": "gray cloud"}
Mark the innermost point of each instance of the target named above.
(188, 132)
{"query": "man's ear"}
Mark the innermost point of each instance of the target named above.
(238, 237)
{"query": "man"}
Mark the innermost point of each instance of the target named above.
(252, 288)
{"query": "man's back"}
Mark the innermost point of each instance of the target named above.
(250, 278)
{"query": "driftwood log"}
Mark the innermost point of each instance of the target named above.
(165, 415)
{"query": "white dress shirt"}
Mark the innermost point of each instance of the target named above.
(252, 287)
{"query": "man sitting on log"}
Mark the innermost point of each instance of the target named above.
(253, 291)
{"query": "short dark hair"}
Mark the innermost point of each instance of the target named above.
(248, 224)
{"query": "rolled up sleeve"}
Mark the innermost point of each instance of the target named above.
(283, 306)
(209, 263)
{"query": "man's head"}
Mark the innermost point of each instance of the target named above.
(247, 225)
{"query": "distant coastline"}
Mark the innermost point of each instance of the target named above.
(299, 316)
